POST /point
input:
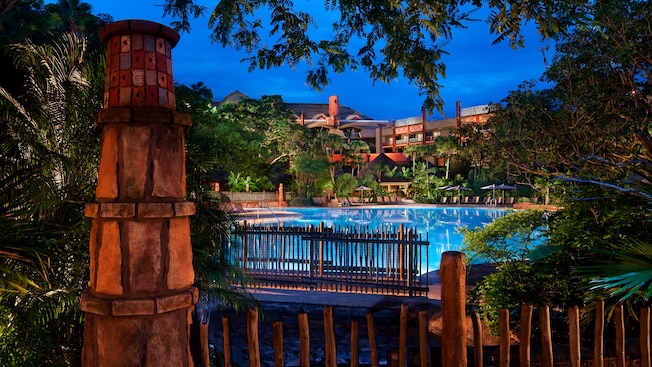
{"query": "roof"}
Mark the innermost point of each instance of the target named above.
(315, 110)
(233, 97)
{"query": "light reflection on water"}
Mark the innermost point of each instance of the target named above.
(440, 224)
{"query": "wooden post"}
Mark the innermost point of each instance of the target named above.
(371, 334)
(252, 337)
(574, 336)
(546, 337)
(620, 336)
(401, 259)
(453, 304)
(277, 329)
(645, 337)
(304, 340)
(525, 336)
(228, 360)
(321, 250)
(478, 343)
(329, 338)
(402, 337)
(355, 343)
(203, 340)
(424, 347)
(504, 338)
(598, 335)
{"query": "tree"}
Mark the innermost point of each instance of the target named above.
(593, 125)
(50, 149)
(508, 243)
(447, 146)
(407, 37)
(589, 133)
(353, 152)
(308, 169)
(331, 144)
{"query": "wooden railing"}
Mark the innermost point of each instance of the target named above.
(454, 343)
(329, 340)
(342, 259)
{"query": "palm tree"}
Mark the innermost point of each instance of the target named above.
(49, 152)
(331, 143)
(355, 151)
(70, 16)
(412, 151)
(447, 146)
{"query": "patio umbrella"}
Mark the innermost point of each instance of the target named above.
(501, 187)
(459, 189)
(362, 189)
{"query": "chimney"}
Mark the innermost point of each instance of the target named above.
(334, 110)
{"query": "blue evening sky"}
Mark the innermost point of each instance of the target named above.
(477, 71)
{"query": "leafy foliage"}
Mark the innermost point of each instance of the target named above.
(509, 242)
(509, 238)
(388, 38)
(49, 151)
(593, 124)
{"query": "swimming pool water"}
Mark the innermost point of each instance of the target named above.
(439, 224)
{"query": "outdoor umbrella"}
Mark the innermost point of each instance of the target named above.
(501, 187)
(362, 189)
(459, 189)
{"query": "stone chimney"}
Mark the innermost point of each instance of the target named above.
(140, 297)
(334, 111)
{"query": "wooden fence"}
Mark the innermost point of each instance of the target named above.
(343, 259)
(454, 346)
(421, 356)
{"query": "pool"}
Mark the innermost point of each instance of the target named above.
(439, 224)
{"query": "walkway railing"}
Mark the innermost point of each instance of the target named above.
(346, 259)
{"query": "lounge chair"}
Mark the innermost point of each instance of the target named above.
(475, 200)
(454, 200)
(395, 199)
(443, 200)
(318, 201)
(465, 200)
(386, 200)
(354, 201)
(509, 201)
(234, 207)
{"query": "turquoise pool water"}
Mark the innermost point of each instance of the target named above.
(439, 224)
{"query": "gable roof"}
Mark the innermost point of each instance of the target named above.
(235, 96)
(314, 110)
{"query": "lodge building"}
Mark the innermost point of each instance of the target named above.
(382, 136)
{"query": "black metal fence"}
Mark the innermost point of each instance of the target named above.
(344, 259)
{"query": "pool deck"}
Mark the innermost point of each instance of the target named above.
(380, 301)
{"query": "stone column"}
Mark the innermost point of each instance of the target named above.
(140, 297)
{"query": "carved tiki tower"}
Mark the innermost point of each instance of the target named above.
(140, 298)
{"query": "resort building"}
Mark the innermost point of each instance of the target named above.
(387, 138)
(419, 131)
(340, 120)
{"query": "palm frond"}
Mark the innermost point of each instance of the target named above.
(623, 271)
